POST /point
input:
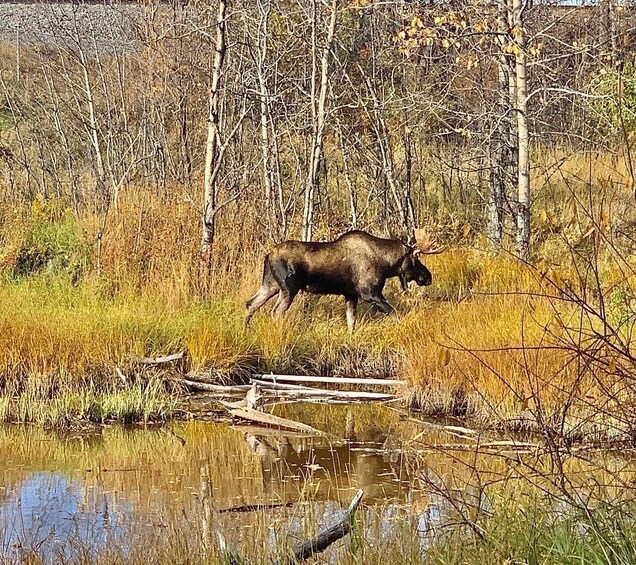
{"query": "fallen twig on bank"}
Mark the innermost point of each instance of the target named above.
(158, 361)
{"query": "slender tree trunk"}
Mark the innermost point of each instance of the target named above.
(605, 8)
(353, 194)
(211, 148)
(523, 203)
(102, 189)
(401, 200)
(312, 182)
(498, 151)
(282, 208)
(408, 185)
(269, 172)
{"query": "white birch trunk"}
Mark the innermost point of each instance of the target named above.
(523, 204)
(211, 147)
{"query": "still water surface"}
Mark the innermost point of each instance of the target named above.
(63, 495)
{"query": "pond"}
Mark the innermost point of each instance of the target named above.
(112, 490)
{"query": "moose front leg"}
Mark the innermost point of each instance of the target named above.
(351, 303)
(377, 299)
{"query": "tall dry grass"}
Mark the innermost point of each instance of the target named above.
(80, 294)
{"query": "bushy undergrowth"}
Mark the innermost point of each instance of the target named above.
(534, 532)
(45, 239)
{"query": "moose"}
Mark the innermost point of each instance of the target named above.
(356, 265)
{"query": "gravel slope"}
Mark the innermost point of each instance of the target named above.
(60, 24)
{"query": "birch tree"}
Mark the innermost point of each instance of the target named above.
(213, 136)
(523, 135)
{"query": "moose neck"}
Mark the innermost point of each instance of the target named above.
(396, 252)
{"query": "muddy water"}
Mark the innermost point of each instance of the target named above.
(63, 495)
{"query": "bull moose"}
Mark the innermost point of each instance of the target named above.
(356, 265)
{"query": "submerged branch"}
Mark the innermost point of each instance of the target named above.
(325, 537)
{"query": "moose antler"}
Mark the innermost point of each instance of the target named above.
(424, 243)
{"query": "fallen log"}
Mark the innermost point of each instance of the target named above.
(324, 538)
(265, 432)
(297, 390)
(271, 420)
(154, 361)
(459, 431)
(330, 380)
(207, 387)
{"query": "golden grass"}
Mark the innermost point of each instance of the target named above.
(52, 329)
(85, 309)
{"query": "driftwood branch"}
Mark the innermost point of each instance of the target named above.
(156, 361)
(330, 380)
(297, 390)
(268, 390)
(324, 538)
(221, 389)
(271, 420)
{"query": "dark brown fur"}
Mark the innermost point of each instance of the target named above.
(356, 266)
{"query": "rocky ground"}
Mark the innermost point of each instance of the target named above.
(97, 25)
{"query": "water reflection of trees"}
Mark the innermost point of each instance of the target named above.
(144, 479)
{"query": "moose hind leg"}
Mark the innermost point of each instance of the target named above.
(351, 304)
(285, 299)
(263, 294)
(285, 274)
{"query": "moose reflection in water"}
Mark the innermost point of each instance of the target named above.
(120, 487)
(288, 464)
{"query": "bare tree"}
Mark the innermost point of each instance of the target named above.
(523, 135)
(213, 138)
(319, 113)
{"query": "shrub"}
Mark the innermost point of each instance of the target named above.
(53, 242)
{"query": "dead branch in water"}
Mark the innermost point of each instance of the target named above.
(255, 507)
(269, 419)
(324, 538)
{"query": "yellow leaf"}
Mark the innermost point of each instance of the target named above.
(588, 233)
(466, 230)
(443, 358)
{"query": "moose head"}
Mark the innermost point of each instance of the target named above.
(412, 269)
